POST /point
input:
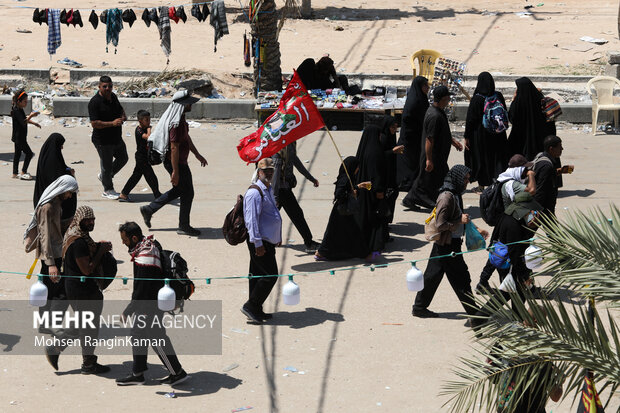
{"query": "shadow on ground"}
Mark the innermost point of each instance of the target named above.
(300, 319)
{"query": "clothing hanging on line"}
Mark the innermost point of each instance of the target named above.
(218, 21)
(53, 32)
(164, 30)
(114, 25)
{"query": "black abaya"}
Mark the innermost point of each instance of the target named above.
(529, 125)
(408, 164)
(487, 156)
(51, 166)
(388, 142)
(373, 211)
(343, 238)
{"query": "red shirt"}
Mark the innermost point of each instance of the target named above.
(180, 135)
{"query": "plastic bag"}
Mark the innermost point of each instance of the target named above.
(473, 239)
(508, 285)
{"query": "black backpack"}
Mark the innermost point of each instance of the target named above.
(234, 229)
(174, 267)
(491, 203)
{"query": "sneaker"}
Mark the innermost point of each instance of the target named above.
(251, 315)
(424, 313)
(95, 369)
(131, 380)
(25, 177)
(191, 231)
(146, 215)
(110, 194)
(175, 379)
(52, 357)
(312, 247)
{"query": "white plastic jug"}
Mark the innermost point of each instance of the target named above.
(290, 293)
(166, 298)
(415, 279)
(38, 294)
(533, 257)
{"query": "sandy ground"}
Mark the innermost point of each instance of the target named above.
(377, 37)
(352, 361)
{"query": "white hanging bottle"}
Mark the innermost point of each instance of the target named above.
(166, 298)
(290, 292)
(415, 279)
(38, 293)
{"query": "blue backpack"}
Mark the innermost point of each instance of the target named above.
(498, 255)
(495, 115)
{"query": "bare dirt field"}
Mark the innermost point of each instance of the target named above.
(372, 37)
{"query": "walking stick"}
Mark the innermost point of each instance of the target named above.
(340, 156)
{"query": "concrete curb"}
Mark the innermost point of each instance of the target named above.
(205, 109)
(244, 109)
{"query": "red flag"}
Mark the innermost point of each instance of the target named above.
(589, 401)
(296, 117)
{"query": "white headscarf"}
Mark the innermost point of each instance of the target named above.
(170, 119)
(65, 183)
(512, 174)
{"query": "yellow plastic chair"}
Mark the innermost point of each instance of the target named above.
(426, 62)
(601, 89)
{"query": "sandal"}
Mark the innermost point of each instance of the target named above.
(318, 257)
(25, 177)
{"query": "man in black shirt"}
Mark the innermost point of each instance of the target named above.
(547, 175)
(107, 117)
(82, 257)
(146, 257)
(435, 151)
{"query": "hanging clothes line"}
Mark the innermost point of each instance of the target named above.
(107, 8)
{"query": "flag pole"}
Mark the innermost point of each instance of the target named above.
(340, 156)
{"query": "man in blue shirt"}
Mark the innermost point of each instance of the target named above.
(264, 225)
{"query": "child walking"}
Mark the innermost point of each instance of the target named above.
(20, 132)
(143, 167)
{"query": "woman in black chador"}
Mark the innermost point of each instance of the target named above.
(486, 153)
(408, 165)
(343, 238)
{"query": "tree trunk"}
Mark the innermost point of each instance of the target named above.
(267, 73)
(619, 19)
(306, 9)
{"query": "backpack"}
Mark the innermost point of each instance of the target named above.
(154, 157)
(234, 229)
(495, 115)
(498, 255)
(174, 267)
(491, 203)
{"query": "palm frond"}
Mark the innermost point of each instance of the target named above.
(563, 334)
(583, 253)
